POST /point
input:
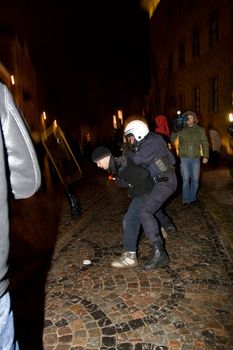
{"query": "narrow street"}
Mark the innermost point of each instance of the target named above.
(187, 305)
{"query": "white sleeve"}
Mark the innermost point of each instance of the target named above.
(25, 176)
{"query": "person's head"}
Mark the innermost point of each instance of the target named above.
(101, 156)
(160, 120)
(161, 125)
(192, 118)
(135, 131)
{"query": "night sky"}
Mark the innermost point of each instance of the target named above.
(91, 56)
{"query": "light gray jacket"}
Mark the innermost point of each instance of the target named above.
(18, 167)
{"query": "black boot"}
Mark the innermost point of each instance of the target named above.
(158, 258)
(170, 229)
(75, 206)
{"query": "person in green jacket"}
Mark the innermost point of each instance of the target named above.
(192, 146)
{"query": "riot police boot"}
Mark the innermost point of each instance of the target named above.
(168, 225)
(159, 257)
(170, 229)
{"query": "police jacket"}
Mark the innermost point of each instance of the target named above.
(153, 154)
(18, 167)
(136, 179)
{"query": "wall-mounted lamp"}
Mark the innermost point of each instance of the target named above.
(12, 80)
(120, 116)
(114, 121)
(230, 129)
(43, 120)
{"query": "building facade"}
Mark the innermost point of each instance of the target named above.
(192, 62)
(18, 73)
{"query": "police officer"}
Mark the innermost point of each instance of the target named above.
(149, 150)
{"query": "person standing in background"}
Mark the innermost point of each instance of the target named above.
(162, 127)
(20, 175)
(192, 146)
(215, 145)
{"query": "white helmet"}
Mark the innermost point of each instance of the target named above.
(137, 128)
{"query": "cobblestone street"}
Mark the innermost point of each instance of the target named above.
(187, 305)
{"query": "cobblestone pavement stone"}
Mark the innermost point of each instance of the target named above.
(186, 305)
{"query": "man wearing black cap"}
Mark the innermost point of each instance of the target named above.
(139, 184)
(192, 146)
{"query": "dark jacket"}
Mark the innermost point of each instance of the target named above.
(154, 155)
(136, 179)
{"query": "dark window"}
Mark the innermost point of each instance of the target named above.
(214, 30)
(181, 102)
(196, 43)
(169, 15)
(182, 56)
(214, 95)
(170, 64)
(27, 96)
(180, 6)
(197, 99)
(171, 101)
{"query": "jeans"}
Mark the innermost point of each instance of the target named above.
(147, 211)
(190, 172)
(7, 341)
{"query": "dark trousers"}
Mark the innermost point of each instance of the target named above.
(147, 211)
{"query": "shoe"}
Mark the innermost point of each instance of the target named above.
(76, 212)
(170, 229)
(127, 259)
(158, 258)
(194, 203)
(186, 205)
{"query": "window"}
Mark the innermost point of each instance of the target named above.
(180, 6)
(170, 64)
(214, 30)
(182, 56)
(214, 95)
(181, 102)
(197, 99)
(196, 43)
(171, 101)
(169, 15)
